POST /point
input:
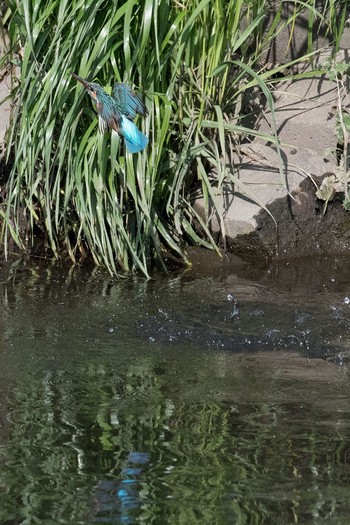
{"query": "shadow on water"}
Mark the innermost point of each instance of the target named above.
(217, 395)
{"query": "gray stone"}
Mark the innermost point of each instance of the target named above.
(5, 107)
(5, 89)
(305, 124)
(292, 40)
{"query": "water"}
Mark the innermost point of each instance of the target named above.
(219, 395)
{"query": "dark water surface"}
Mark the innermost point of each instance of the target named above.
(220, 395)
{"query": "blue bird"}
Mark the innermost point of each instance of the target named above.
(118, 111)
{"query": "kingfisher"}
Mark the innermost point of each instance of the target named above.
(117, 112)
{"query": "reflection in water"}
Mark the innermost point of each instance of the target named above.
(133, 402)
(120, 500)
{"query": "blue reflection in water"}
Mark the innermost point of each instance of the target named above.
(117, 499)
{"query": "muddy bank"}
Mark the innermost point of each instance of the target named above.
(304, 227)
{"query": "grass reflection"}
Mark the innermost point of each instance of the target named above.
(96, 445)
(100, 426)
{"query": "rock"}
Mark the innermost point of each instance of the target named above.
(305, 124)
(305, 226)
(5, 108)
(5, 90)
(5, 114)
(294, 40)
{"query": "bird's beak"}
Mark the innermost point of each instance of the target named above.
(84, 82)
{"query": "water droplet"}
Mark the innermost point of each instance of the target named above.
(235, 311)
(230, 297)
(314, 470)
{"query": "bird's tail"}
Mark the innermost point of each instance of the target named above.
(135, 140)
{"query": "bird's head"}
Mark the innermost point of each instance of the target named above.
(93, 89)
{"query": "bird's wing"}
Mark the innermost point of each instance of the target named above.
(129, 104)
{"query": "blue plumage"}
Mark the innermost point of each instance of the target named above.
(135, 140)
(117, 112)
(128, 103)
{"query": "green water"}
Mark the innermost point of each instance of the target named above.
(220, 395)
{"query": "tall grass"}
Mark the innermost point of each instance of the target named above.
(191, 60)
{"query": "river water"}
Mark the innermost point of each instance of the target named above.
(216, 395)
